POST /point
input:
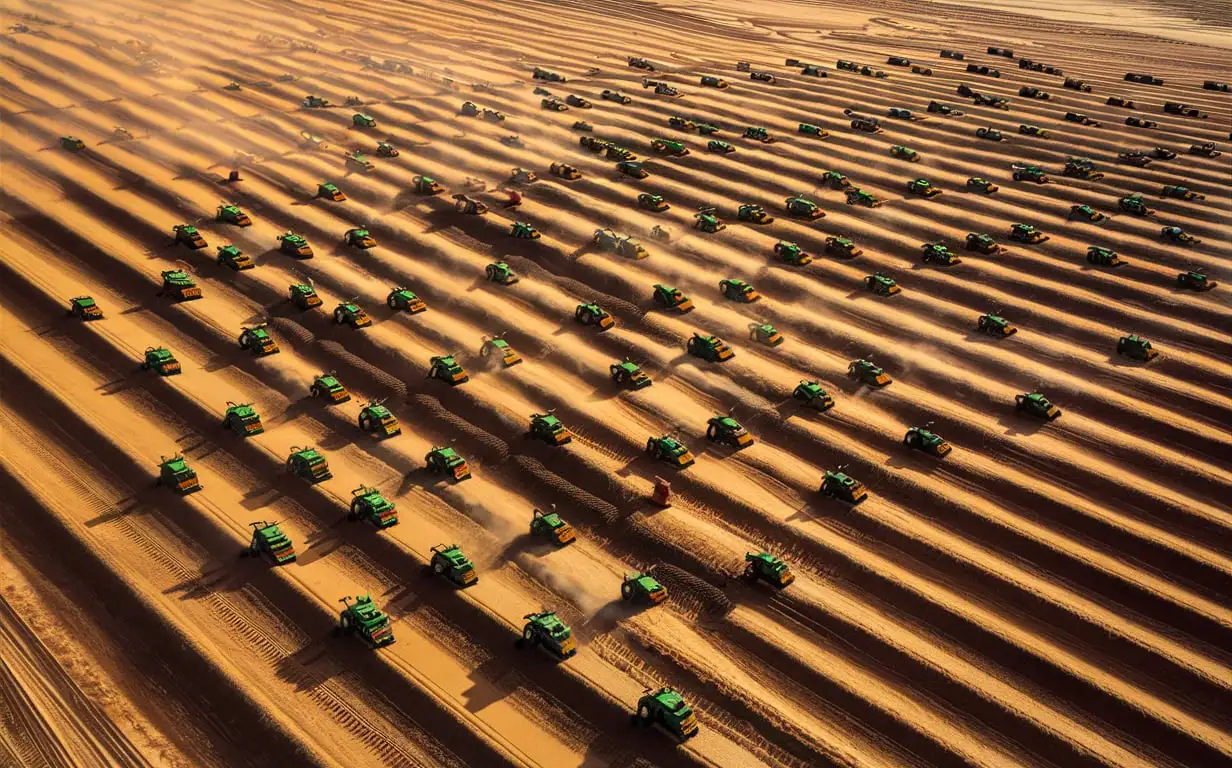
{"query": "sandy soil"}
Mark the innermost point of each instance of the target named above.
(1048, 594)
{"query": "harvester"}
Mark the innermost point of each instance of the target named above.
(921, 439)
(257, 340)
(161, 360)
(450, 562)
(350, 313)
(738, 290)
(270, 542)
(1136, 348)
(1177, 236)
(881, 284)
(1034, 130)
(402, 299)
(549, 525)
(564, 171)
(178, 285)
(706, 220)
(447, 369)
(725, 430)
(1121, 101)
(315, 102)
(768, 568)
(549, 429)
(810, 394)
(467, 205)
(713, 82)
(672, 298)
(667, 709)
(867, 199)
(303, 295)
(329, 191)
(385, 149)
(539, 73)
(866, 372)
(1033, 173)
(360, 120)
(357, 161)
(175, 473)
(995, 325)
(835, 180)
(754, 214)
(982, 243)
(548, 632)
(1194, 281)
(72, 143)
(839, 485)
(523, 231)
(358, 237)
(1032, 92)
(809, 129)
(578, 101)
(500, 273)
(922, 187)
(990, 134)
(652, 202)
(1204, 150)
(906, 153)
(615, 96)
(1027, 233)
(84, 308)
(758, 134)
(1140, 122)
(364, 619)
(294, 245)
(669, 450)
(938, 252)
(765, 333)
(1035, 404)
(866, 125)
(233, 258)
(242, 419)
(309, 464)
(791, 253)
(629, 374)
(497, 347)
(1136, 158)
(1104, 257)
(231, 214)
(1082, 168)
(709, 348)
(802, 208)
(632, 168)
(593, 314)
(722, 147)
(1133, 204)
(642, 588)
(522, 176)
(624, 245)
(1086, 213)
(981, 185)
(188, 235)
(368, 504)
(425, 185)
(1180, 193)
(327, 385)
(374, 417)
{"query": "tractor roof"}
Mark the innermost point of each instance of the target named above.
(230, 208)
(358, 232)
(552, 520)
(188, 229)
(548, 419)
(84, 301)
(672, 445)
(307, 290)
(310, 455)
(551, 624)
(727, 422)
(447, 453)
(841, 478)
(328, 380)
(176, 464)
(646, 582)
(175, 274)
(242, 410)
(329, 185)
(1038, 397)
(452, 553)
(162, 353)
(291, 237)
(377, 410)
(629, 367)
(844, 240)
(447, 361)
(671, 700)
(349, 307)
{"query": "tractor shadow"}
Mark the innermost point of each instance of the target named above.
(1016, 424)
(117, 386)
(261, 497)
(491, 681)
(322, 544)
(421, 478)
(336, 440)
(521, 544)
(320, 661)
(606, 619)
(213, 579)
(131, 505)
(913, 460)
(292, 412)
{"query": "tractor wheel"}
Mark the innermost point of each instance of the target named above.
(528, 636)
(485, 351)
(365, 423)
(226, 422)
(643, 713)
(353, 513)
(750, 572)
(626, 591)
(438, 567)
(338, 317)
(315, 390)
(345, 622)
(392, 301)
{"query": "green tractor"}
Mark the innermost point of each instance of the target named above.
(242, 419)
(839, 485)
(328, 386)
(358, 237)
(549, 525)
(642, 588)
(906, 153)
(1026, 233)
(651, 202)
(1035, 404)
(357, 161)
(328, 191)
(1032, 173)
(802, 208)
(450, 562)
(765, 333)
(1133, 204)
(234, 259)
(1194, 281)
(303, 295)
(982, 243)
(995, 325)
(842, 247)
(315, 102)
(791, 253)
(426, 185)
(672, 298)
(866, 199)
(835, 180)
(363, 618)
(443, 460)
(309, 464)
(632, 168)
(257, 340)
(670, 451)
(768, 568)
(722, 147)
(705, 129)
(1104, 257)
(385, 149)
(629, 374)
(523, 231)
(668, 710)
(811, 395)
(1081, 168)
(1034, 130)
(447, 369)
(1136, 348)
(881, 284)
(738, 291)
(593, 314)
(922, 187)
(758, 134)
(921, 439)
(269, 541)
(497, 346)
(500, 273)
(754, 214)
(160, 359)
(401, 299)
(713, 82)
(939, 253)
(549, 633)
(1177, 236)
(549, 429)
(809, 129)
(294, 245)
(624, 245)
(72, 143)
(175, 473)
(375, 417)
(187, 235)
(1180, 193)
(669, 147)
(368, 504)
(991, 134)
(231, 214)
(709, 348)
(1086, 213)
(727, 431)
(84, 308)
(350, 313)
(981, 185)
(706, 220)
(360, 120)
(865, 371)
(179, 285)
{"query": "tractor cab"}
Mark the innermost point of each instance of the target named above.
(188, 235)
(496, 346)
(175, 473)
(368, 504)
(500, 273)
(670, 451)
(728, 431)
(768, 568)
(791, 253)
(84, 308)
(328, 191)
(549, 525)
(443, 460)
(667, 709)
(375, 417)
(179, 285)
(738, 291)
(549, 633)
(231, 214)
(629, 374)
(593, 314)
(257, 339)
(839, 485)
(765, 333)
(1136, 348)
(868, 373)
(328, 386)
(447, 369)
(549, 429)
(269, 541)
(921, 439)
(294, 245)
(401, 299)
(1035, 404)
(358, 237)
(709, 348)
(242, 419)
(350, 313)
(303, 296)
(161, 360)
(309, 464)
(642, 588)
(881, 284)
(233, 258)
(364, 619)
(811, 395)
(450, 562)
